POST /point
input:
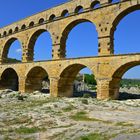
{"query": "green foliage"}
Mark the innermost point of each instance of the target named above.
(94, 136)
(90, 79)
(85, 101)
(87, 95)
(26, 130)
(130, 83)
(12, 60)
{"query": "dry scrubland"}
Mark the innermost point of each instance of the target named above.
(39, 117)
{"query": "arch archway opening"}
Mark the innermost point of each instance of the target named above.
(16, 29)
(41, 20)
(77, 81)
(126, 82)
(31, 24)
(79, 9)
(79, 39)
(9, 80)
(12, 52)
(23, 27)
(95, 4)
(52, 17)
(37, 79)
(115, 1)
(65, 13)
(126, 30)
(40, 46)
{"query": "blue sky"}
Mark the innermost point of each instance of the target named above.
(82, 40)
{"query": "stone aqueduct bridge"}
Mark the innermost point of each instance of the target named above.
(58, 21)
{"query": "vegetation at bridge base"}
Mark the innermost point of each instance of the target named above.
(90, 79)
(130, 83)
(12, 60)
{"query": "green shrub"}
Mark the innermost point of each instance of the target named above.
(85, 101)
(87, 95)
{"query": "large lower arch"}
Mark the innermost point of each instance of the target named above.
(32, 44)
(67, 77)
(67, 30)
(117, 76)
(34, 79)
(9, 80)
(6, 49)
(120, 16)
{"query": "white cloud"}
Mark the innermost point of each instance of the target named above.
(18, 50)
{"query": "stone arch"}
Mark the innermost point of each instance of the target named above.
(79, 9)
(4, 33)
(41, 20)
(121, 15)
(10, 31)
(117, 76)
(32, 40)
(52, 17)
(66, 32)
(65, 13)
(95, 4)
(16, 29)
(114, 1)
(31, 24)
(9, 79)
(34, 79)
(67, 77)
(23, 27)
(6, 47)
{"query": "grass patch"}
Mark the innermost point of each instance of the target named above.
(124, 124)
(94, 136)
(68, 109)
(27, 130)
(82, 116)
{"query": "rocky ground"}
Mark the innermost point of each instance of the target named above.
(40, 117)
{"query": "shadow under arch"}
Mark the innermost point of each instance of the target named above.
(6, 48)
(67, 77)
(121, 15)
(32, 40)
(9, 79)
(66, 32)
(34, 79)
(117, 77)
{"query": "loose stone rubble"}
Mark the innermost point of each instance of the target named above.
(37, 116)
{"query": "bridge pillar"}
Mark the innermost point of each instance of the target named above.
(61, 87)
(54, 86)
(27, 55)
(57, 52)
(106, 45)
(107, 89)
(22, 84)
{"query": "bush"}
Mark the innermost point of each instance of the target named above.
(85, 101)
(87, 95)
(20, 97)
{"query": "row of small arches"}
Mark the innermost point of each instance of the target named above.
(79, 9)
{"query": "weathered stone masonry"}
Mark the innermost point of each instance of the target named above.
(58, 21)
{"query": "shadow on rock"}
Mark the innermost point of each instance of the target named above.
(126, 96)
(83, 93)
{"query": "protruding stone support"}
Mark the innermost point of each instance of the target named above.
(22, 84)
(61, 87)
(106, 46)
(27, 55)
(54, 86)
(57, 52)
(107, 89)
